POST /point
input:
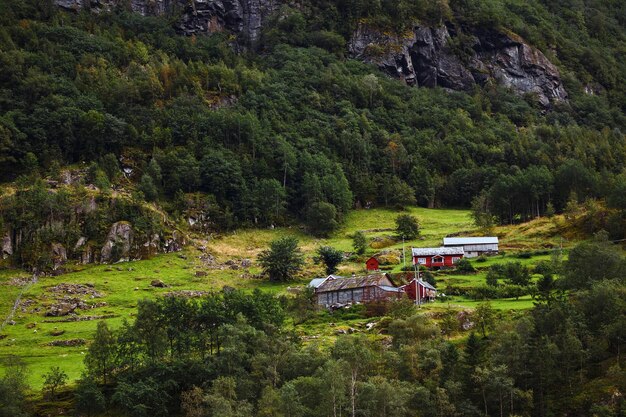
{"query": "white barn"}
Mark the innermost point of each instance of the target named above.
(473, 246)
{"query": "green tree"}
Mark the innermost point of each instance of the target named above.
(282, 260)
(359, 242)
(13, 388)
(481, 211)
(465, 266)
(581, 268)
(330, 257)
(485, 317)
(147, 187)
(88, 397)
(53, 381)
(222, 399)
(407, 226)
(99, 360)
(321, 218)
(357, 355)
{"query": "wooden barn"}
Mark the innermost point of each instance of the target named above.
(337, 291)
(417, 287)
(473, 246)
(437, 258)
(372, 264)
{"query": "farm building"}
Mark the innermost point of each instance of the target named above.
(372, 264)
(426, 291)
(473, 246)
(335, 290)
(437, 257)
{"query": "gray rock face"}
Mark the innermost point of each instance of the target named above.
(120, 236)
(59, 255)
(7, 245)
(425, 57)
(244, 17)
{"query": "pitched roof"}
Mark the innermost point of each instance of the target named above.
(316, 282)
(438, 251)
(474, 240)
(346, 283)
(422, 283)
(390, 289)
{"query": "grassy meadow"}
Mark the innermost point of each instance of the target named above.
(122, 285)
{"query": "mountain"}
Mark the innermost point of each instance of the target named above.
(220, 114)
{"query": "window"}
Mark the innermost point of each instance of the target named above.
(455, 259)
(437, 259)
(421, 261)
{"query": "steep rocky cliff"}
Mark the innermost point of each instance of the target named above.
(244, 17)
(427, 57)
(424, 56)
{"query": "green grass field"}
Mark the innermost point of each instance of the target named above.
(123, 285)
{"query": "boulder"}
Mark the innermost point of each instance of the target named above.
(59, 255)
(118, 242)
(157, 283)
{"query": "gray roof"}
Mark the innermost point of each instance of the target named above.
(427, 285)
(474, 240)
(438, 251)
(316, 282)
(346, 283)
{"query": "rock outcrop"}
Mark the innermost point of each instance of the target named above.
(426, 57)
(243, 17)
(118, 243)
(7, 245)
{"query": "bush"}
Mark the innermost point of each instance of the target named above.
(464, 266)
(481, 259)
(407, 226)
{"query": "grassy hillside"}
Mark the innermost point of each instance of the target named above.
(209, 265)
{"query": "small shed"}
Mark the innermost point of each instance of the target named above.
(417, 286)
(437, 258)
(372, 264)
(473, 246)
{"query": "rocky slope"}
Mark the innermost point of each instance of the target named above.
(244, 17)
(426, 57)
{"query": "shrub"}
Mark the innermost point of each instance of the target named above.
(464, 266)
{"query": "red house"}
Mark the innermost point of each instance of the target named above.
(437, 258)
(372, 264)
(426, 291)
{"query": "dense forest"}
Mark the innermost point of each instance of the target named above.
(295, 131)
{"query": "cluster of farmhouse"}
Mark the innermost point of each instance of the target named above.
(335, 290)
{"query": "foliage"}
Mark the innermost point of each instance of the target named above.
(330, 257)
(514, 273)
(593, 261)
(13, 388)
(465, 266)
(54, 380)
(359, 242)
(282, 260)
(407, 226)
(321, 218)
(89, 399)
